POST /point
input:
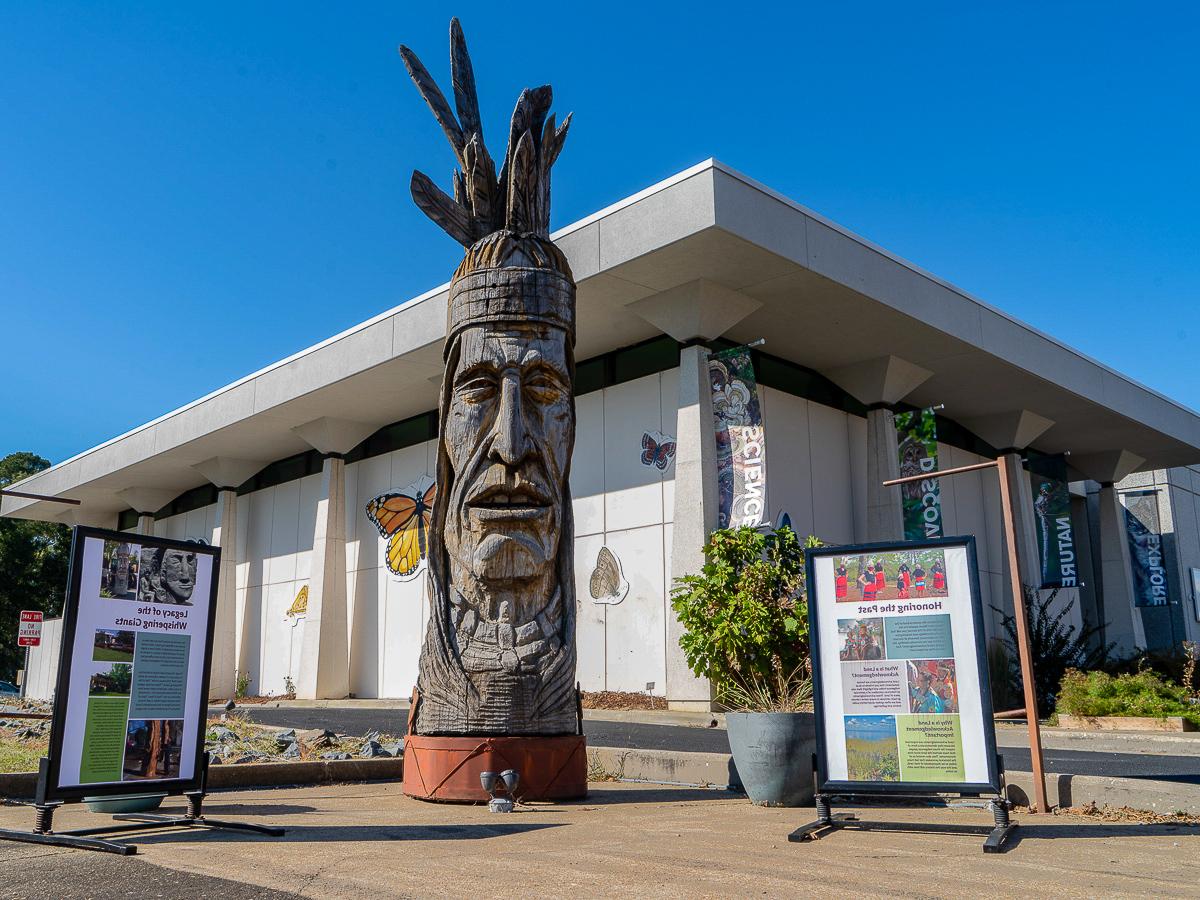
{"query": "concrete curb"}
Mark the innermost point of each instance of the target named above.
(664, 767)
(252, 775)
(1163, 797)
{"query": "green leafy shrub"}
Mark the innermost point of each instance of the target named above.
(1138, 694)
(746, 619)
(1054, 645)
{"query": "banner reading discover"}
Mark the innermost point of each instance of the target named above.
(132, 707)
(902, 697)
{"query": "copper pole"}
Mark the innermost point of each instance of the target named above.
(990, 464)
(1014, 574)
(1022, 621)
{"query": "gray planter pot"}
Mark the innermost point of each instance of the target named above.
(130, 803)
(773, 754)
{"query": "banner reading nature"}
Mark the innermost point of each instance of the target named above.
(1052, 506)
(741, 444)
(916, 434)
(1145, 548)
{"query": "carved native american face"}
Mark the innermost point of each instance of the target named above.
(508, 434)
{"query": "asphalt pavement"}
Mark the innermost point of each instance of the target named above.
(646, 736)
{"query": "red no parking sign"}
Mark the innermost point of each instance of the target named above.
(30, 632)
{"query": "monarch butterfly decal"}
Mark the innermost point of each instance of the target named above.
(403, 518)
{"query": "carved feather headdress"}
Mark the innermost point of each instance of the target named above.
(515, 200)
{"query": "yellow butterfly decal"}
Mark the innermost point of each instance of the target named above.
(403, 517)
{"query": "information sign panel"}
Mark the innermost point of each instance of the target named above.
(129, 713)
(900, 676)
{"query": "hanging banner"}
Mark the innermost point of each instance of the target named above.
(129, 712)
(1145, 548)
(1052, 506)
(916, 434)
(900, 682)
(741, 444)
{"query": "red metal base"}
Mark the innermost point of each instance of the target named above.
(447, 768)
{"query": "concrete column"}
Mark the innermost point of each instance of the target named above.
(881, 383)
(226, 473)
(695, 513)
(325, 653)
(1123, 622)
(145, 523)
(885, 513)
(223, 677)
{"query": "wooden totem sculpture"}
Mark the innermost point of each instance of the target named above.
(499, 652)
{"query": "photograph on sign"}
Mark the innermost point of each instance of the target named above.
(137, 624)
(899, 669)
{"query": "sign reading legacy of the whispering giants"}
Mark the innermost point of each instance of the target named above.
(899, 671)
(129, 712)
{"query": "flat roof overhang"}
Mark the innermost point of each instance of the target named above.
(816, 283)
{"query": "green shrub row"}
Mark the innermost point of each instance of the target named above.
(1135, 694)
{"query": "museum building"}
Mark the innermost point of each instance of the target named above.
(319, 594)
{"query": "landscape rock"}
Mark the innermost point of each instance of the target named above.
(336, 754)
(285, 738)
(373, 749)
(292, 751)
(221, 734)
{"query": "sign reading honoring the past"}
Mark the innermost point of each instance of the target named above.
(899, 670)
(129, 712)
(1052, 506)
(916, 436)
(741, 442)
(29, 630)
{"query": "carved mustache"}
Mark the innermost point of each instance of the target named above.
(498, 486)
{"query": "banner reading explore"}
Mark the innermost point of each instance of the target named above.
(130, 708)
(899, 678)
(741, 444)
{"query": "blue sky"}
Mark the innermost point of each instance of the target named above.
(191, 192)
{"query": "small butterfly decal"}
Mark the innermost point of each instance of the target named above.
(658, 449)
(299, 607)
(403, 517)
(608, 584)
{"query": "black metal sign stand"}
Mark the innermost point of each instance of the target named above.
(828, 821)
(82, 838)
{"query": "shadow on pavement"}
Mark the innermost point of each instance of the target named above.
(343, 833)
(615, 792)
(233, 810)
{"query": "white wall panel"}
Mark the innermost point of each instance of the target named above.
(590, 621)
(285, 530)
(275, 658)
(635, 653)
(252, 606)
(402, 635)
(587, 464)
(668, 391)
(789, 475)
(831, 474)
(373, 477)
(261, 506)
(306, 522)
(634, 491)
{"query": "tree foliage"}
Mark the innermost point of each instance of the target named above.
(33, 565)
(746, 617)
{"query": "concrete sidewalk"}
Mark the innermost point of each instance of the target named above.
(358, 841)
